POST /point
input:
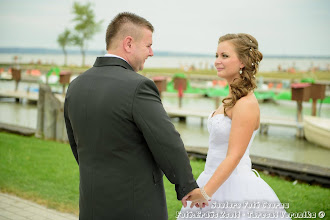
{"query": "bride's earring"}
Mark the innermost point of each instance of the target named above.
(240, 71)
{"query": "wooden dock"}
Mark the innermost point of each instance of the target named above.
(293, 170)
(182, 113)
(17, 129)
(19, 95)
(265, 121)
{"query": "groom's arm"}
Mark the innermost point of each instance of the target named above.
(163, 140)
(70, 132)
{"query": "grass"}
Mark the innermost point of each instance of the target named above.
(38, 170)
(46, 172)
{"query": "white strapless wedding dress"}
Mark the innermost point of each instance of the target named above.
(244, 195)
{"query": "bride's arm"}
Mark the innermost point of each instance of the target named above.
(245, 118)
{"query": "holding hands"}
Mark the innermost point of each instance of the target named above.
(198, 198)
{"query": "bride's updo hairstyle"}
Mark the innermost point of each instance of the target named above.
(247, 51)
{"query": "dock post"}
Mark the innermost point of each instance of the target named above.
(183, 119)
(64, 79)
(50, 123)
(180, 95)
(300, 131)
(317, 92)
(16, 85)
(299, 111)
(300, 92)
(41, 110)
(314, 107)
(161, 83)
(180, 84)
(16, 74)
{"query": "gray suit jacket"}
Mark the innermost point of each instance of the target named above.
(123, 141)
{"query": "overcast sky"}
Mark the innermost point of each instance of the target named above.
(282, 27)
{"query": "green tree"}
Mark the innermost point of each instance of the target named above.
(85, 28)
(64, 39)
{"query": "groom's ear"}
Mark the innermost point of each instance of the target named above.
(128, 44)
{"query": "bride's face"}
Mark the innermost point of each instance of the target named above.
(227, 62)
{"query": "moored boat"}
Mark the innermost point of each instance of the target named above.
(317, 130)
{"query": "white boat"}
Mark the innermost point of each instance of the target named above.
(317, 130)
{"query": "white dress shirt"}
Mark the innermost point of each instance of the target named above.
(113, 55)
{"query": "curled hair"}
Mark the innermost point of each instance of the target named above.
(120, 24)
(246, 47)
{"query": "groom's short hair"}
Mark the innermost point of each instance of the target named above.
(123, 25)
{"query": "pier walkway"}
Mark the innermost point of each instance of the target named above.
(29, 96)
(265, 122)
(15, 208)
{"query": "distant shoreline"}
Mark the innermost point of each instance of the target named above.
(13, 50)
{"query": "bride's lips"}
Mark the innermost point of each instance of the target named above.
(219, 69)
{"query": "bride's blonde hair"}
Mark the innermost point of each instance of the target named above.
(246, 47)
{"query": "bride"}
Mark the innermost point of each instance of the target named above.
(229, 187)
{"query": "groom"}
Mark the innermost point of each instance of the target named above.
(120, 134)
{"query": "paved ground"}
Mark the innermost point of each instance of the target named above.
(14, 208)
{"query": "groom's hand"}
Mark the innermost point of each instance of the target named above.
(184, 200)
(196, 198)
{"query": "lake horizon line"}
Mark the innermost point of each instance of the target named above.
(40, 50)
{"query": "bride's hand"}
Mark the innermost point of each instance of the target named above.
(200, 206)
(196, 198)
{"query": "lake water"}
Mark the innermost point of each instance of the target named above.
(266, 65)
(280, 143)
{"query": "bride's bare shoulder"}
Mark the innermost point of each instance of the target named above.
(247, 105)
